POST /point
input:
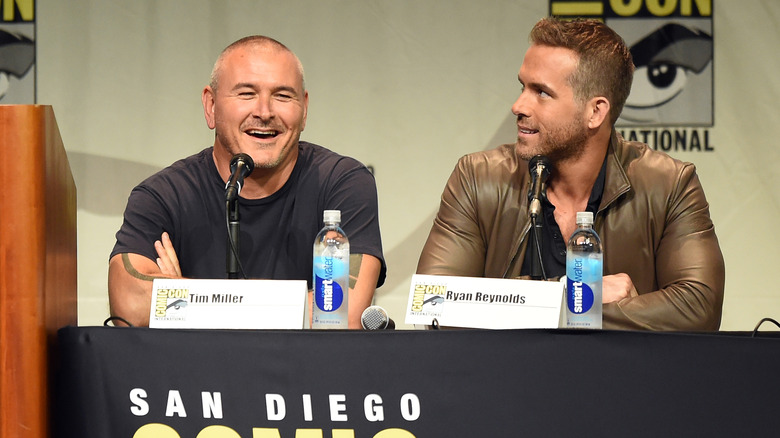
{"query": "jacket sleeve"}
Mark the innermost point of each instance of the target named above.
(455, 245)
(689, 269)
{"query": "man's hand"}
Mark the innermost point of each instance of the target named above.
(166, 257)
(616, 287)
(130, 278)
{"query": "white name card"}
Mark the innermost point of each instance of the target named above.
(489, 303)
(228, 304)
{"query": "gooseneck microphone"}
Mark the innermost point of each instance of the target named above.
(539, 167)
(375, 318)
(241, 165)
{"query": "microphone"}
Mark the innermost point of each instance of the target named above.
(241, 165)
(375, 318)
(539, 167)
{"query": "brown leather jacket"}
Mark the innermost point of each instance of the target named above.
(653, 221)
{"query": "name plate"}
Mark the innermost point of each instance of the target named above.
(228, 304)
(488, 303)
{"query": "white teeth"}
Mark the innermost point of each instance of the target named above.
(261, 133)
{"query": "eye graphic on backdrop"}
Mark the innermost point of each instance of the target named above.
(665, 60)
(17, 55)
(655, 85)
(4, 83)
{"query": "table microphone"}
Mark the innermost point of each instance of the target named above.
(241, 165)
(539, 167)
(375, 318)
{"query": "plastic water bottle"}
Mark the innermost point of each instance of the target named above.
(584, 268)
(331, 275)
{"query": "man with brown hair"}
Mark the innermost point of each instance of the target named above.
(663, 268)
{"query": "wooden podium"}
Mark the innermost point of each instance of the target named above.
(38, 284)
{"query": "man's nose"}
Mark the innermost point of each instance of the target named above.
(264, 109)
(520, 107)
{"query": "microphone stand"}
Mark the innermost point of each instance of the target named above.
(241, 165)
(233, 233)
(537, 270)
(539, 166)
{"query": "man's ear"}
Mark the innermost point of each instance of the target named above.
(208, 97)
(305, 109)
(598, 112)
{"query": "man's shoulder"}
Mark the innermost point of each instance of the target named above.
(187, 175)
(198, 162)
(501, 152)
(639, 157)
(650, 171)
(315, 155)
(314, 150)
(495, 161)
(195, 164)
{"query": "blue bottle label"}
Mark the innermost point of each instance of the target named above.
(329, 294)
(579, 297)
(582, 273)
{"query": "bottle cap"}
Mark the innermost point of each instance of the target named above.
(584, 218)
(331, 216)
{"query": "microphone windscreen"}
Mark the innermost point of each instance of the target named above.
(536, 160)
(375, 318)
(249, 164)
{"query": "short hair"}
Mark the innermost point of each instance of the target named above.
(604, 68)
(252, 40)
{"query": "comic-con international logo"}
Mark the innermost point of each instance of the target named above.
(171, 304)
(427, 299)
(671, 101)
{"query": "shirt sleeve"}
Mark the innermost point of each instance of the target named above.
(146, 217)
(353, 191)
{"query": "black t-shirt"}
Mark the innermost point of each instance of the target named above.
(277, 233)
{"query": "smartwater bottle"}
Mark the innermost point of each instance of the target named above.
(331, 275)
(584, 261)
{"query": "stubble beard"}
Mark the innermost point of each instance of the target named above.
(566, 143)
(276, 161)
(233, 148)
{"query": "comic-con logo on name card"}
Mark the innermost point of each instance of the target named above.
(427, 298)
(171, 304)
(17, 52)
(671, 103)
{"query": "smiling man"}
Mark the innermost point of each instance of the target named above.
(175, 221)
(663, 268)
